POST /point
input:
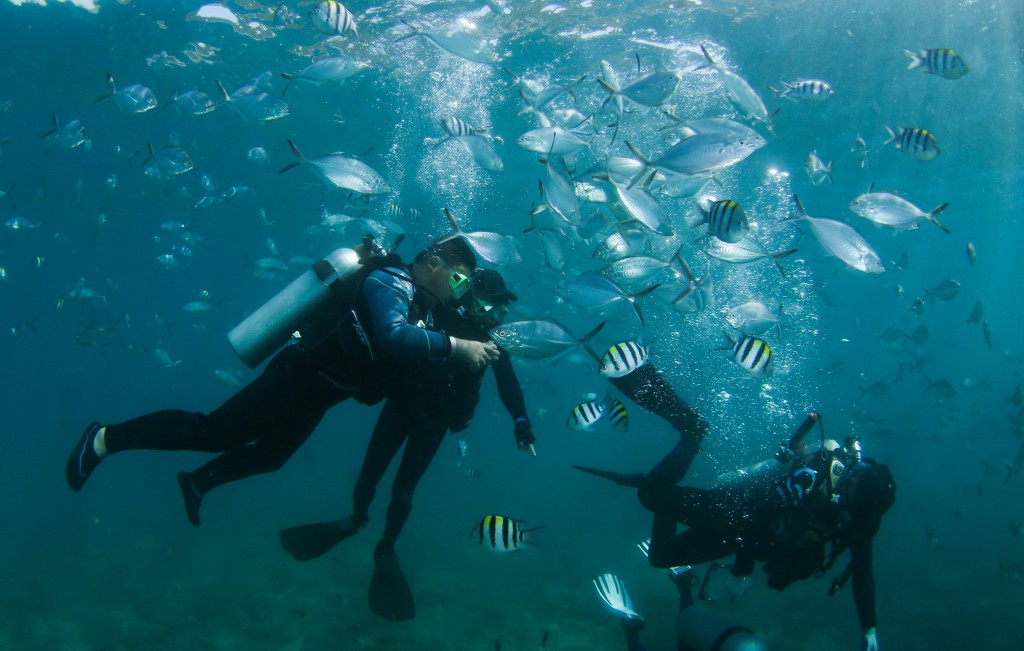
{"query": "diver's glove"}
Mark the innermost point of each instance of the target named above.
(738, 586)
(870, 641)
(524, 433)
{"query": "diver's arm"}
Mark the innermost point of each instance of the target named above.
(863, 582)
(509, 389)
(388, 298)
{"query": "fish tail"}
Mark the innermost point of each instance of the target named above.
(415, 32)
(52, 131)
(451, 220)
(916, 60)
(592, 353)
(828, 174)
(892, 136)
(223, 91)
(593, 333)
(287, 85)
(775, 257)
(709, 62)
(931, 217)
(113, 89)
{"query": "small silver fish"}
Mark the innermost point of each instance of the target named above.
(817, 171)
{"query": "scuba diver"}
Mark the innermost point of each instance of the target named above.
(430, 400)
(364, 328)
(782, 515)
(697, 628)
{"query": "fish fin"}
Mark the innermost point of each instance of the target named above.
(709, 62)
(287, 85)
(892, 136)
(451, 220)
(915, 60)
(113, 90)
(931, 217)
(415, 32)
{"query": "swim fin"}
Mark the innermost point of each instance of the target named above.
(629, 479)
(390, 595)
(309, 541)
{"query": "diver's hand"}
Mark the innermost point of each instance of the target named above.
(475, 354)
(869, 641)
(737, 586)
(524, 436)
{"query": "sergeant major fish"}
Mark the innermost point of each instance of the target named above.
(585, 415)
(918, 143)
(726, 220)
(497, 533)
(942, 62)
(333, 18)
(813, 90)
(623, 358)
(751, 354)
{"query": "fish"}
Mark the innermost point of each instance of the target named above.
(231, 378)
(917, 307)
(191, 102)
(332, 18)
(592, 291)
(896, 212)
(918, 143)
(165, 358)
(342, 171)
(891, 336)
(745, 251)
(538, 340)
(702, 152)
(325, 70)
(258, 155)
(752, 318)
(753, 355)
(946, 290)
(842, 241)
(134, 98)
(585, 415)
(812, 90)
(19, 223)
(943, 389)
(877, 389)
(69, 136)
(623, 358)
(651, 89)
(558, 191)
(636, 269)
(817, 171)
(742, 95)
(169, 162)
(552, 140)
(986, 331)
(461, 447)
(472, 473)
(459, 42)
(942, 62)
(971, 253)
(482, 152)
(726, 220)
(498, 533)
(495, 248)
(861, 147)
(919, 336)
(620, 245)
(617, 415)
(254, 105)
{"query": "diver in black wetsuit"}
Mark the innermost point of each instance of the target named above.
(429, 401)
(260, 427)
(783, 518)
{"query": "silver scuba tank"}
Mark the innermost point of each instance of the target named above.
(261, 333)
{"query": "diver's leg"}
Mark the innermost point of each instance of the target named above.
(388, 435)
(420, 449)
(648, 388)
(702, 510)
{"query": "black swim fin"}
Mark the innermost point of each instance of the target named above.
(390, 595)
(309, 541)
(628, 479)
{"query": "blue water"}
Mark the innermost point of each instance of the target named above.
(117, 567)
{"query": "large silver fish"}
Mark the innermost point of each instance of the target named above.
(752, 318)
(621, 244)
(482, 152)
(558, 190)
(894, 211)
(740, 92)
(644, 208)
(702, 152)
(134, 98)
(461, 43)
(842, 241)
(328, 69)
(594, 292)
(745, 251)
(495, 248)
(538, 340)
(69, 136)
(253, 105)
(341, 171)
(170, 161)
(551, 140)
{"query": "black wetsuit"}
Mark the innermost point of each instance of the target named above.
(753, 521)
(260, 427)
(429, 401)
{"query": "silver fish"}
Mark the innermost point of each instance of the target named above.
(745, 251)
(702, 152)
(342, 171)
(740, 92)
(551, 140)
(328, 69)
(894, 211)
(134, 98)
(191, 102)
(752, 318)
(495, 248)
(69, 136)
(538, 340)
(459, 42)
(166, 163)
(558, 190)
(644, 208)
(977, 313)
(594, 292)
(817, 171)
(482, 152)
(252, 104)
(842, 241)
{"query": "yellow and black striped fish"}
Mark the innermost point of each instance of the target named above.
(618, 416)
(584, 415)
(940, 61)
(332, 17)
(753, 355)
(623, 358)
(726, 220)
(919, 143)
(497, 533)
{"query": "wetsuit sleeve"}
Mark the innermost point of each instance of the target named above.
(509, 389)
(388, 299)
(863, 581)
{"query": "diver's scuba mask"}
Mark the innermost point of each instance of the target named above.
(490, 312)
(459, 283)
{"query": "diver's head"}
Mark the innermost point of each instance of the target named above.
(868, 492)
(489, 301)
(443, 269)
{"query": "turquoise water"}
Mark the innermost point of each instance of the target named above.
(118, 567)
